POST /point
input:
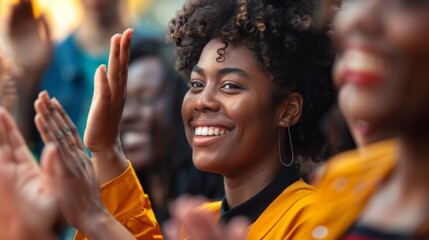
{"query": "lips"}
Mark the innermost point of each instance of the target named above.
(360, 65)
(208, 132)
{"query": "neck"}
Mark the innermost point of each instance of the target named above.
(240, 188)
(412, 168)
(94, 36)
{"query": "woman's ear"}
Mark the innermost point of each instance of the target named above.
(290, 110)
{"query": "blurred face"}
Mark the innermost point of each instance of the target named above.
(143, 111)
(382, 66)
(102, 10)
(228, 113)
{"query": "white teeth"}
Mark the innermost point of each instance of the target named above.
(209, 131)
(205, 131)
(363, 62)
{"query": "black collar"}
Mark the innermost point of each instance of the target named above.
(255, 206)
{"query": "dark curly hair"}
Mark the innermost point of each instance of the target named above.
(286, 43)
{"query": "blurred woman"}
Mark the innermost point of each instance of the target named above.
(381, 73)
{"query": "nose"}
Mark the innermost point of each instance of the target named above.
(134, 112)
(130, 111)
(207, 100)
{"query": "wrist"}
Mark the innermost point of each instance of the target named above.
(109, 163)
(93, 225)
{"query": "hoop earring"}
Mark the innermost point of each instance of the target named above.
(291, 149)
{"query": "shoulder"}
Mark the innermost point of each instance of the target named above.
(347, 183)
(369, 163)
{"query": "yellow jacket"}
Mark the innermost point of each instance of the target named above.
(284, 216)
(126, 200)
(348, 181)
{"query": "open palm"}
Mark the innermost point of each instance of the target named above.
(29, 186)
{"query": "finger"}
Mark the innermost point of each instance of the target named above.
(50, 154)
(172, 230)
(65, 119)
(237, 229)
(68, 133)
(49, 138)
(114, 65)
(15, 140)
(201, 225)
(101, 84)
(43, 130)
(61, 133)
(54, 133)
(124, 56)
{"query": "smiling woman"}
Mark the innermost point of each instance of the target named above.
(259, 79)
(259, 82)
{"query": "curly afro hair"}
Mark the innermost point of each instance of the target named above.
(286, 43)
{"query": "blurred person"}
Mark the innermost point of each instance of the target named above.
(69, 76)
(66, 69)
(244, 95)
(380, 192)
(151, 129)
(30, 50)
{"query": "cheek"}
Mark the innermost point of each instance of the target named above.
(409, 33)
(187, 110)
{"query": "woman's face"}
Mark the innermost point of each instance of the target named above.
(382, 66)
(143, 112)
(228, 112)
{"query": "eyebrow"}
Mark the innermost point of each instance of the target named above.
(222, 72)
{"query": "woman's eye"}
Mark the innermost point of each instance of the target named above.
(231, 86)
(195, 84)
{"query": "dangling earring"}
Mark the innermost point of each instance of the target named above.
(291, 149)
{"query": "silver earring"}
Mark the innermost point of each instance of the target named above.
(291, 149)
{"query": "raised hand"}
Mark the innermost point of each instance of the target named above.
(191, 220)
(29, 38)
(26, 189)
(76, 183)
(102, 130)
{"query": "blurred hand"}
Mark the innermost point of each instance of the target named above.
(29, 38)
(189, 218)
(31, 210)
